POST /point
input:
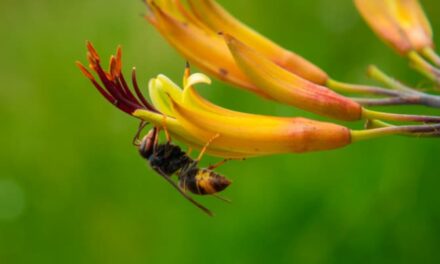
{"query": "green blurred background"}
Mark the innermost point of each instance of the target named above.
(74, 190)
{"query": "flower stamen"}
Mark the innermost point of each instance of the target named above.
(115, 88)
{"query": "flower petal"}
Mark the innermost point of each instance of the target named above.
(159, 97)
(196, 78)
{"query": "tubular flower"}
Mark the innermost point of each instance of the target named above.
(115, 89)
(400, 23)
(201, 47)
(199, 42)
(259, 135)
(219, 20)
(195, 121)
(194, 31)
(254, 134)
(289, 88)
(208, 44)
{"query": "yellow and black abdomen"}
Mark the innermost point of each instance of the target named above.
(203, 181)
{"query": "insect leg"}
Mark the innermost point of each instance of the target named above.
(184, 194)
(142, 125)
(189, 151)
(202, 152)
(164, 125)
(212, 167)
(156, 139)
(221, 198)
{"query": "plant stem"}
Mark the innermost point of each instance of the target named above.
(408, 95)
(424, 67)
(374, 123)
(383, 101)
(421, 130)
(369, 114)
(375, 73)
(355, 88)
(431, 55)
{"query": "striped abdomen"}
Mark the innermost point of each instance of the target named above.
(203, 181)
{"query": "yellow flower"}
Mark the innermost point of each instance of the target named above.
(253, 134)
(400, 23)
(194, 121)
(196, 37)
(198, 41)
(289, 88)
(115, 89)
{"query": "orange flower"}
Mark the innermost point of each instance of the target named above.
(194, 120)
(400, 23)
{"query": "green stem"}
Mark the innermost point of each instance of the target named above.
(384, 101)
(421, 130)
(372, 124)
(369, 114)
(424, 67)
(431, 55)
(375, 73)
(409, 95)
(355, 88)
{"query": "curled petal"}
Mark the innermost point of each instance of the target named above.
(196, 78)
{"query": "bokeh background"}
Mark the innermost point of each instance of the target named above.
(74, 190)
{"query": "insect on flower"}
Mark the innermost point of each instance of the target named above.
(115, 89)
(168, 159)
(225, 133)
(194, 121)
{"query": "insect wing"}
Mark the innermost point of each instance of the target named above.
(183, 193)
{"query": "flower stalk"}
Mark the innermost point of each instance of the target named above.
(193, 120)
